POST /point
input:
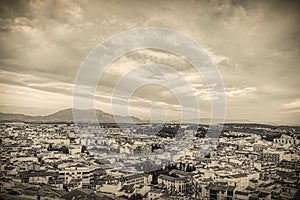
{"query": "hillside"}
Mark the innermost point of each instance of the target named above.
(66, 115)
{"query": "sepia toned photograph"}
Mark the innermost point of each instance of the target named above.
(149, 99)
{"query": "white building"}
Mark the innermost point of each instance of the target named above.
(287, 140)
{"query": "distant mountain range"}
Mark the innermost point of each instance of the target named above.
(66, 116)
(85, 116)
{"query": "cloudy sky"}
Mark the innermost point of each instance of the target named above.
(254, 44)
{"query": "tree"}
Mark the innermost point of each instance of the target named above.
(64, 149)
(50, 147)
(83, 149)
(136, 197)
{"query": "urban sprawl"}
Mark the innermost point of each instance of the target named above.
(148, 161)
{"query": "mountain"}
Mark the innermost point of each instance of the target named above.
(66, 116)
(7, 117)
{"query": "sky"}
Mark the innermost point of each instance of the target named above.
(254, 44)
